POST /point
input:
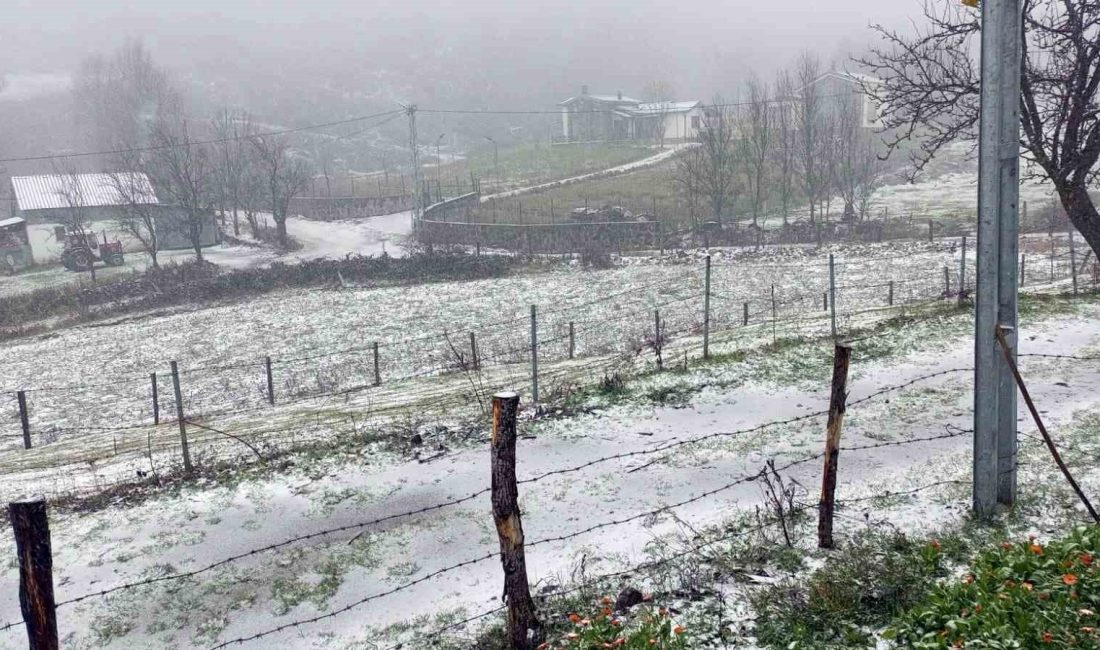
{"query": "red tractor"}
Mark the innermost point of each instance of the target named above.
(83, 250)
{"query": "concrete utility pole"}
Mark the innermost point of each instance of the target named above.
(998, 228)
(410, 110)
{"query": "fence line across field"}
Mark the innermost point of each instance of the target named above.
(558, 538)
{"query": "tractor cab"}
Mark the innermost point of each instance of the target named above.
(84, 249)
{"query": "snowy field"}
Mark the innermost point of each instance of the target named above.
(92, 420)
(680, 452)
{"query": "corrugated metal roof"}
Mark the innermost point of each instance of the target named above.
(667, 107)
(57, 191)
(14, 221)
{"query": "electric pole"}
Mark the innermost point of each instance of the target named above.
(998, 232)
(410, 110)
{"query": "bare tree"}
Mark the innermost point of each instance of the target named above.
(810, 124)
(930, 92)
(284, 176)
(76, 221)
(709, 170)
(785, 148)
(119, 98)
(756, 142)
(185, 173)
(137, 214)
(856, 162)
(232, 129)
(660, 94)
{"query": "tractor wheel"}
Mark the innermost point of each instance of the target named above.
(114, 259)
(80, 261)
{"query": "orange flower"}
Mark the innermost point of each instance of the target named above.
(1086, 559)
(1047, 637)
(1069, 579)
(574, 618)
(978, 608)
(1036, 548)
(607, 600)
(1006, 546)
(679, 629)
(936, 544)
(1027, 585)
(606, 611)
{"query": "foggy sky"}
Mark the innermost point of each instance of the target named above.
(522, 53)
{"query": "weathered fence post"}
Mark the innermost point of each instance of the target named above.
(962, 271)
(534, 355)
(929, 231)
(657, 343)
(24, 419)
(156, 397)
(890, 294)
(706, 310)
(1023, 267)
(824, 301)
(946, 281)
(1073, 260)
(31, 526)
(745, 313)
(270, 381)
(842, 355)
(572, 341)
(180, 418)
(377, 365)
(524, 631)
(474, 362)
(832, 294)
(774, 314)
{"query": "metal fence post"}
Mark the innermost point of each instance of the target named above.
(706, 310)
(534, 355)
(832, 294)
(180, 418)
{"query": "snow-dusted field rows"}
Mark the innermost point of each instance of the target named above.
(202, 525)
(321, 343)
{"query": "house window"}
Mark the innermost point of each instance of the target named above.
(696, 122)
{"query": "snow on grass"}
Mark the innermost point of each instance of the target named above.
(205, 523)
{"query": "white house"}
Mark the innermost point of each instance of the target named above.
(846, 90)
(593, 118)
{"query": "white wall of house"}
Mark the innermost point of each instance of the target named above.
(683, 125)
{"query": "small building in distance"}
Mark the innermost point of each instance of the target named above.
(100, 201)
(846, 91)
(15, 245)
(609, 118)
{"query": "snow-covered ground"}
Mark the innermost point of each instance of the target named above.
(204, 524)
(334, 239)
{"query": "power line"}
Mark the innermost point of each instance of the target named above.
(112, 152)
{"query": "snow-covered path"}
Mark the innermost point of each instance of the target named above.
(101, 549)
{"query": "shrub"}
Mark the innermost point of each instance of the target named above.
(644, 628)
(1022, 595)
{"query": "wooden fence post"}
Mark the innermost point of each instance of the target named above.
(270, 381)
(572, 341)
(524, 632)
(745, 313)
(842, 356)
(156, 397)
(377, 365)
(929, 231)
(31, 525)
(890, 295)
(179, 417)
(475, 364)
(24, 419)
(1023, 267)
(825, 301)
